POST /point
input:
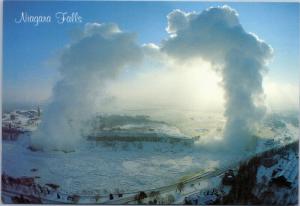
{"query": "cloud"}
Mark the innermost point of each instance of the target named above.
(216, 35)
(208, 62)
(100, 54)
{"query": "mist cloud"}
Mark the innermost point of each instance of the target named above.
(211, 40)
(100, 53)
(217, 36)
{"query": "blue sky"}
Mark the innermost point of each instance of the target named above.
(30, 51)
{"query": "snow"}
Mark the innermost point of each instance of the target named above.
(95, 168)
(287, 166)
(203, 193)
(25, 121)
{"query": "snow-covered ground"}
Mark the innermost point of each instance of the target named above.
(103, 168)
(284, 167)
(97, 168)
(275, 181)
(22, 120)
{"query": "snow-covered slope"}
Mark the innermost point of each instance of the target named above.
(21, 120)
(268, 178)
(277, 177)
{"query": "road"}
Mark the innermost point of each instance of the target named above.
(194, 179)
(173, 187)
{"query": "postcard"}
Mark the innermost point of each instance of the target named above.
(150, 102)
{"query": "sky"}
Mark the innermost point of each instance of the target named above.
(31, 52)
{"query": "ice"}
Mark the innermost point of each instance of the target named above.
(98, 167)
(129, 167)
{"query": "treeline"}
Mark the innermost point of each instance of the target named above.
(144, 138)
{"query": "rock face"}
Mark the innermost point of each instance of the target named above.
(280, 181)
(269, 162)
(271, 178)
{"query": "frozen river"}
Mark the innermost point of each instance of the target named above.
(95, 168)
(102, 168)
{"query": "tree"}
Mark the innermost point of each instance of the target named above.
(180, 186)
